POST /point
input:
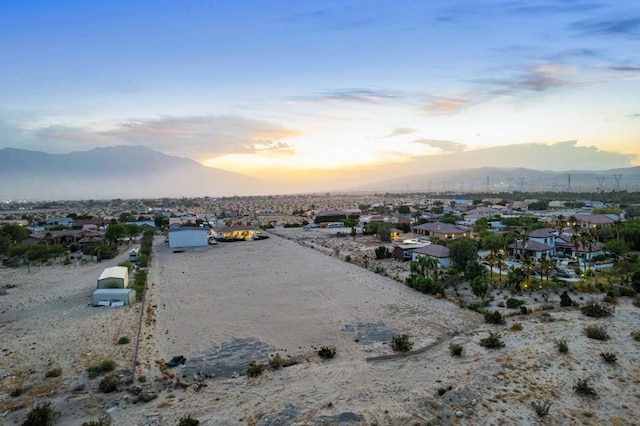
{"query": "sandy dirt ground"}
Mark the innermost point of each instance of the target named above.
(225, 305)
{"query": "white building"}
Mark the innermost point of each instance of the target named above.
(188, 236)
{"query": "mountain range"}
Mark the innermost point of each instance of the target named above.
(140, 172)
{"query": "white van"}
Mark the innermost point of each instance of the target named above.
(335, 225)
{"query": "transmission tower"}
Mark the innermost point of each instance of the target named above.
(601, 180)
(569, 182)
(510, 180)
(617, 177)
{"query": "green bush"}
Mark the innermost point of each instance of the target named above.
(42, 415)
(276, 362)
(516, 327)
(609, 357)
(635, 334)
(493, 317)
(583, 387)
(109, 384)
(456, 349)
(401, 343)
(541, 408)
(16, 392)
(565, 300)
(514, 303)
(562, 345)
(597, 332)
(104, 367)
(254, 369)
(493, 341)
(327, 352)
(188, 421)
(102, 421)
(56, 372)
(123, 340)
(596, 310)
(624, 291)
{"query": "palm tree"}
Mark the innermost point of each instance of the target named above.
(527, 266)
(500, 257)
(559, 224)
(590, 242)
(491, 260)
(546, 266)
(575, 240)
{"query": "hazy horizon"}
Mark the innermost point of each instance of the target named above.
(300, 93)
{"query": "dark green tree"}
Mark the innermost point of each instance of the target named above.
(115, 232)
(461, 251)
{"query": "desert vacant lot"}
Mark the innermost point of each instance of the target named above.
(225, 305)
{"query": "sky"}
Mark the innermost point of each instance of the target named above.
(294, 90)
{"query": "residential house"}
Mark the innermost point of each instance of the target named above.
(404, 251)
(436, 251)
(444, 231)
(531, 248)
(590, 221)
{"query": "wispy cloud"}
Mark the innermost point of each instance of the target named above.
(352, 95)
(399, 131)
(534, 78)
(555, 7)
(636, 115)
(443, 145)
(625, 68)
(208, 136)
(445, 105)
(627, 26)
(194, 137)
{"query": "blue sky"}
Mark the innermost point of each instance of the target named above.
(299, 88)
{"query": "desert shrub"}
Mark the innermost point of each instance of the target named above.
(493, 317)
(188, 421)
(109, 384)
(635, 334)
(456, 349)
(104, 367)
(254, 369)
(516, 327)
(327, 352)
(56, 372)
(636, 302)
(442, 391)
(382, 252)
(597, 332)
(16, 392)
(493, 341)
(514, 303)
(102, 421)
(142, 378)
(610, 299)
(541, 408)
(624, 291)
(595, 310)
(276, 362)
(609, 357)
(583, 387)
(42, 415)
(562, 345)
(565, 300)
(123, 340)
(524, 310)
(401, 343)
(347, 258)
